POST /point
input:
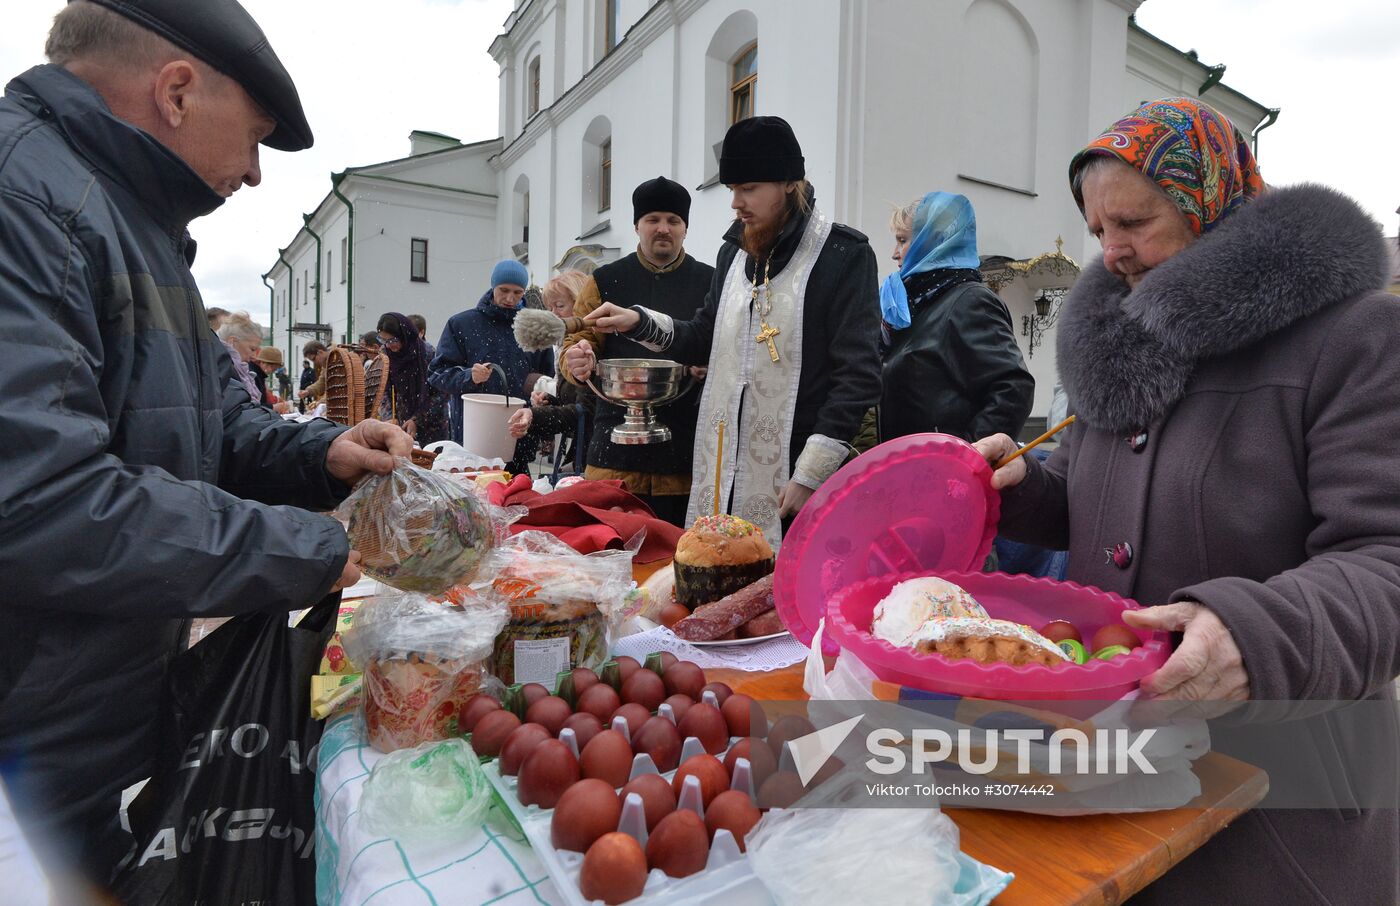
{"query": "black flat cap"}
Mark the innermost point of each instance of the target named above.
(222, 34)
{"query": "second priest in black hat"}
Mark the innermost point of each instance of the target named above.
(790, 333)
(661, 276)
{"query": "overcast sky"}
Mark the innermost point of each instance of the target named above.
(371, 71)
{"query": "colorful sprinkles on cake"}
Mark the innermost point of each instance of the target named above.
(723, 524)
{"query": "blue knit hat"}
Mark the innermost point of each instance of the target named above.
(510, 271)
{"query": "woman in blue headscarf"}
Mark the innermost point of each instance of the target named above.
(951, 363)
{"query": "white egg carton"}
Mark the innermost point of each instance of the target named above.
(728, 877)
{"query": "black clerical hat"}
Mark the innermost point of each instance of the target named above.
(661, 194)
(760, 149)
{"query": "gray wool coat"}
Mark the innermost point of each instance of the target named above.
(1239, 416)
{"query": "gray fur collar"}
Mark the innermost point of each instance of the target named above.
(1126, 356)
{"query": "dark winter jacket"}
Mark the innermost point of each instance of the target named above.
(955, 369)
(1238, 412)
(840, 330)
(564, 415)
(137, 476)
(483, 335)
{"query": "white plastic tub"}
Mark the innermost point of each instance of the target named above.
(485, 424)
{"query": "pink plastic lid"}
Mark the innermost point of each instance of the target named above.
(917, 504)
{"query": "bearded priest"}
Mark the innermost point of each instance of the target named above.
(789, 330)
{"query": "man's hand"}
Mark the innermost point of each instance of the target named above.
(994, 449)
(793, 498)
(539, 398)
(699, 372)
(610, 318)
(410, 428)
(580, 360)
(1206, 666)
(368, 447)
(520, 422)
(481, 373)
(350, 574)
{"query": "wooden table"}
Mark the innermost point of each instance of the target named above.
(1088, 859)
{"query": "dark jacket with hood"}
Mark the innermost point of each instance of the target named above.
(956, 368)
(840, 377)
(139, 479)
(1238, 412)
(481, 335)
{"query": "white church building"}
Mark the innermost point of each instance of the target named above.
(889, 98)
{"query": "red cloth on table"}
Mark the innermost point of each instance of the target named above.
(589, 516)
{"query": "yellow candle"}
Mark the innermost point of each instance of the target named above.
(719, 466)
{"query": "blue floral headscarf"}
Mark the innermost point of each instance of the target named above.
(945, 236)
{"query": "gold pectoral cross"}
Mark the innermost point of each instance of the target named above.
(767, 335)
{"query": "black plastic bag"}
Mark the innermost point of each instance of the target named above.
(228, 816)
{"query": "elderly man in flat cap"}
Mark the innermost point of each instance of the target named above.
(140, 484)
(664, 278)
(790, 331)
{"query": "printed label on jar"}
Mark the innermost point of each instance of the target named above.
(540, 660)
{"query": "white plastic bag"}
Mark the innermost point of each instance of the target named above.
(418, 530)
(565, 607)
(422, 661)
(434, 793)
(849, 679)
(887, 856)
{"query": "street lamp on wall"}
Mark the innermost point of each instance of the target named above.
(1048, 303)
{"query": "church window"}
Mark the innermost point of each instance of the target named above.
(605, 177)
(418, 261)
(610, 23)
(743, 84)
(532, 103)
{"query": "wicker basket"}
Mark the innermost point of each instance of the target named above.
(376, 384)
(345, 386)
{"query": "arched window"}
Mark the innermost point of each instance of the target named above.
(605, 177)
(607, 27)
(596, 172)
(743, 84)
(532, 88)
(520, 218)
(999, 82)
(731, 83)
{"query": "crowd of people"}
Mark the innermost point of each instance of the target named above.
(1228, 361)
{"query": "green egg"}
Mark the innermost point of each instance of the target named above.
(1074, 650)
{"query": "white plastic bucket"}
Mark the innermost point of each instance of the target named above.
(486, 424)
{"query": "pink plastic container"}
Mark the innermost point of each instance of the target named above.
(922, 502)
(923, 505)
(1022, 599)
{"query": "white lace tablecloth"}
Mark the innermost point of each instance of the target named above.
(754, 657)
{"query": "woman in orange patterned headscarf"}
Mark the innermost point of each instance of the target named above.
(1195, 155)
(1232, 367)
